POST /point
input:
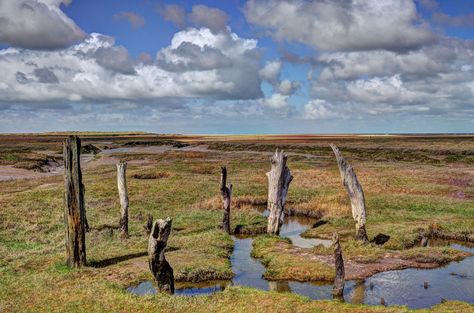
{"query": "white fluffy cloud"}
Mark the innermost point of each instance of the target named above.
(318, 109)
(84, 71)
(342, 25)
(275, 101)
(288, 87)
(282, 89)
(434, 80)
(37, 24)
(271, 72)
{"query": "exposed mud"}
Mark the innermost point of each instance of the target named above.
(356, 270)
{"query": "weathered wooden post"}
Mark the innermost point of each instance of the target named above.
(159, 267)
(356, 194)
(226, 193)
(149, 224)
(123, 195)
(338, 290)
(279, 179)
(74, 213)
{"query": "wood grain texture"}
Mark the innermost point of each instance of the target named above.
(356, 194)
(159, 266)
(74, 213)
(338, 290)
(226, 193)
(279, 179)
(123, 195)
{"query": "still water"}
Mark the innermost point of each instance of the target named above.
(454, 281)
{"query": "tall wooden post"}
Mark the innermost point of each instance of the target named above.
(74, 213)
(159, 266)
(338, 290)
(123, 195)
(279, 179)
(226, 193)
(356, 194)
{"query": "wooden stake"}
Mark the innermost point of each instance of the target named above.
(123, 195)
(356, 194)
(226, 192)
(279, 179)
(338, 290)
(74, 213)
(159, 266)
(149, 224)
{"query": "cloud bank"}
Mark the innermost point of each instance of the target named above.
(197, 64)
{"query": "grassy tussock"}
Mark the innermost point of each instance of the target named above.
(284, 265)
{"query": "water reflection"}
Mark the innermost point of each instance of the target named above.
(454, 281)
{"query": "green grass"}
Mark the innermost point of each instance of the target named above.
(403, 200)
(281, 264)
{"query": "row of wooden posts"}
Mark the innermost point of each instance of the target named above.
(279, 179)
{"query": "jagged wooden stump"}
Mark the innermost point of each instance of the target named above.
(338, 290)
(74, 214)
(123, 195)
(226, 193)
(356, 194)
(279, 179)
(159, 266)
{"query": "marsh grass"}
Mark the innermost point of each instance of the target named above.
(403, 199)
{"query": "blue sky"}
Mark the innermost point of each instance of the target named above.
(237, 66)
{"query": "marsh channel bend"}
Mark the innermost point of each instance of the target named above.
(454, 281)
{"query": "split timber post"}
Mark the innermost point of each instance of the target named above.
(160, 268)
(279, 179)
(356, 194)
(338, 290)
(123, 195)
(226, 193)
(74, 213)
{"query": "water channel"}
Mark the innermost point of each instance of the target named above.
(454, 281)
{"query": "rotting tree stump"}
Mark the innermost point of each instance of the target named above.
(279, 179)
(148, 224)
(356, 194)
(226, 193)
(338, 290)
(74, 213)
(123, 195)
(159, 266)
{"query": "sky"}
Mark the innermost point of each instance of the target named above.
(237, 66)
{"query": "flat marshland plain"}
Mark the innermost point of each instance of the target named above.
(414, 186)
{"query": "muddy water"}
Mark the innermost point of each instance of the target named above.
(403, 287)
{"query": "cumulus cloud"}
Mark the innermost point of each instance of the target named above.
(271, 72)
(288, 87)
(434, 80)
(275, 101)
(200, 16)
(134, 19)
(282, 89)
(342, 25)
(212, 18)
(85, 71)
(37, 24)
(318, 109)
(173, 13)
